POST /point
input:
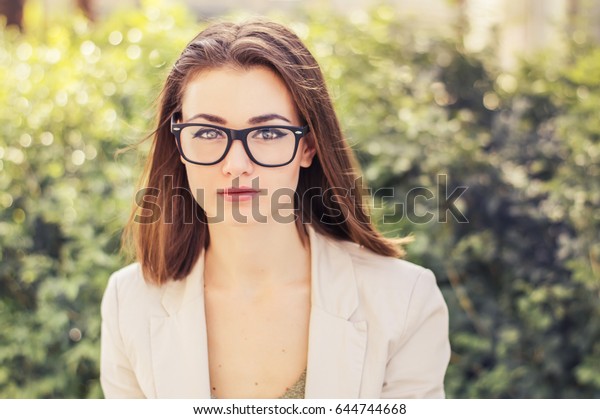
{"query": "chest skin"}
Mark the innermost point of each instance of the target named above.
(257, 340)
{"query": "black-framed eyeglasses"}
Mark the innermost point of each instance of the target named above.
(265, 145)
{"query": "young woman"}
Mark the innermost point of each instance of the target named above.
(259, 274)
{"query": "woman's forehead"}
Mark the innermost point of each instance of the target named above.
(237, 95)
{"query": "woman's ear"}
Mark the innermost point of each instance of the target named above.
(307, 150)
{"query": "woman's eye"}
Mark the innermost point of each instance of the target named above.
(207, 134)
(268, 134)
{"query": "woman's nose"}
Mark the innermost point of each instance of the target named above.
(236, 161)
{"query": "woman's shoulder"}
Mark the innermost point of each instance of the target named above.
(128, 284)
(391, 281)
(375, 268)
(376, 278)
(129, 279)
(396, 294)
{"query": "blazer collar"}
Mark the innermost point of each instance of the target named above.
(336, 345)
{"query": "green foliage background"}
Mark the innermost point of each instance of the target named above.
(521, 278)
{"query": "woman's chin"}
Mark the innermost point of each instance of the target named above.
(252, 217)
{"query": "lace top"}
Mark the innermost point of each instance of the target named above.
(296, 391)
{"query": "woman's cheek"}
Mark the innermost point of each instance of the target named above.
(198, 189)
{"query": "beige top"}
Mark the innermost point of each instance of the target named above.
(296, 391)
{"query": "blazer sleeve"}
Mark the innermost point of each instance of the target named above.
(418, 360)
(117, 377)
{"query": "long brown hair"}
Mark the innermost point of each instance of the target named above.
(168, 245)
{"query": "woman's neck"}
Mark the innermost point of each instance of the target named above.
(259, 255)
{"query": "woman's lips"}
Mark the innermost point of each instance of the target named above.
(239, 194)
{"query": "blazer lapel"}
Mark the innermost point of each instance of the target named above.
(178, 341)
(336, 344)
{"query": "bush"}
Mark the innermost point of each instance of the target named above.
(521, 277)
(73, 95)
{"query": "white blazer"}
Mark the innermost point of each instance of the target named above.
(378, 329)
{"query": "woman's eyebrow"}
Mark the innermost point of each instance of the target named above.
(266, 118)
(254, 120)
(210, 118)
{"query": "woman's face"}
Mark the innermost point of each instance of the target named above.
(239, 99)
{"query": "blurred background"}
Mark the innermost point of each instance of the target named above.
(502, 97)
